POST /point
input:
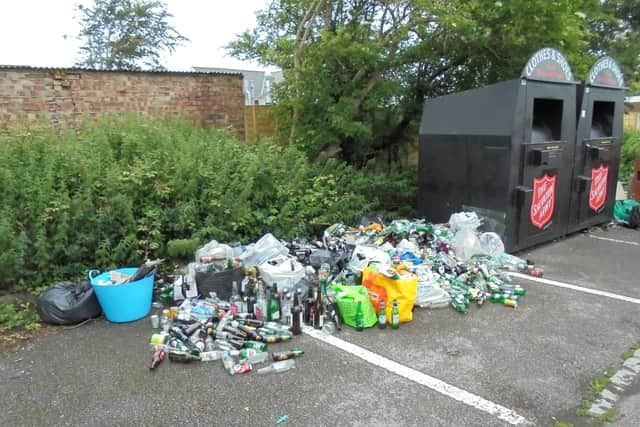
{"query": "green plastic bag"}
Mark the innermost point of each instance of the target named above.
(627, 212)
(347, 298)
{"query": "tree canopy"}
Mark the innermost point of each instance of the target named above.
(126, 34)
(357, 71)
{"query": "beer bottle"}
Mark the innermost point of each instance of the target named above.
(318, 310)
(158, 357)
(258, 346)
(359, 317)
(182, 356)
(236, 343)
(273, 307)
(310, 309)
(192, 328)
(276, 367)
(296, 314)
(177, 333)
(395, 315)
(284, 355)
(382, 316)
(254, 323)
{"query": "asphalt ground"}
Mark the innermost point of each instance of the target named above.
(535, 361)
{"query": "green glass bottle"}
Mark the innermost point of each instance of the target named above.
(259, 346)
(273, 306)
(395, 315)
(460, 303)
(359, 317)
(515, 289)
(382, 316)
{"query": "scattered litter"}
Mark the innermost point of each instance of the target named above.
(233, 303)
(282, 419)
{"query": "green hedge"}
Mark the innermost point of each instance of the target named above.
(120, 189)
(629, 154)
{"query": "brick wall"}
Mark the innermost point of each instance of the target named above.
(66, 95)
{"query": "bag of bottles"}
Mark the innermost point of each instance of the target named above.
(282, 271)
(347, 298)
(398, 285)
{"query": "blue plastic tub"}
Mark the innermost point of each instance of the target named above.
(126, 302)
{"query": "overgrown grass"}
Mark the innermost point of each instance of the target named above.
(562, 424)
(117, 191)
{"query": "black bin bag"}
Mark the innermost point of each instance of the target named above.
(66, 303)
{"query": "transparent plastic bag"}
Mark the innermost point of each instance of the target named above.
(214, 252)
(466, 244)
(266, 248)
(464, 221)
(363, 255)
(491, 244)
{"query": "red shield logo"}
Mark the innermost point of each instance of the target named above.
(598, 192)
(543, 201)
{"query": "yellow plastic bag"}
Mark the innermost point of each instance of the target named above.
(400, 285)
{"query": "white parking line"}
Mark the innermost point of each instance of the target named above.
(626, 242)
(576, 288)
(435, 384)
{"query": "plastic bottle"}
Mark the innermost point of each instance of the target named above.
(395, 315)
(259, 357)
(227, 362)
(208, 356)
(382, 316)
(281, 366)
(236, 299)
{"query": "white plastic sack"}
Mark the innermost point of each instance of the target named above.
(363, 255)
(266, 248)
(283, 271)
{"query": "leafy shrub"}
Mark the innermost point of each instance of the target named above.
(117, 191)
(18, 315)
(629, 154)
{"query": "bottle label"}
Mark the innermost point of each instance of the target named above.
(395, 319)
(382, 319)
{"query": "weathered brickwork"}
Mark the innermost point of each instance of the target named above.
(66, 95)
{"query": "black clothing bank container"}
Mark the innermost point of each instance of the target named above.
(600, 101)
(507, 152)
